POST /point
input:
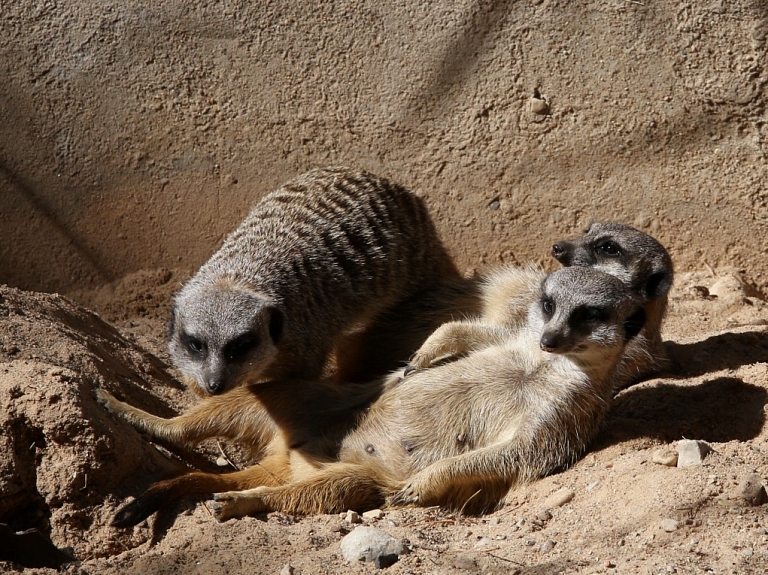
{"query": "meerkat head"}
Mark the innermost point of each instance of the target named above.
(223, 334)
(584, 311)
(634, 257)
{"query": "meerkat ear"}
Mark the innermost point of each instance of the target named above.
(634, 323)
(276, 320)
(658, 285)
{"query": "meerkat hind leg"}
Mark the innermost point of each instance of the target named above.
(333, 489)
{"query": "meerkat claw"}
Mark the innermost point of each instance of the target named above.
(405, 496)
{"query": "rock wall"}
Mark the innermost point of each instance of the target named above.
(134, 134)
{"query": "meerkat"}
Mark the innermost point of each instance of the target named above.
(315, 259)
(644, 265)
(530, 398)
(527, 402)
(630, 255)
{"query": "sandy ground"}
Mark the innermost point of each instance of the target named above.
(66, 464)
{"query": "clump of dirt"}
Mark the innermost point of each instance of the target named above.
(66, 464)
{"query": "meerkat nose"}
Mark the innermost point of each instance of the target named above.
(558, 250)
(214, 385)
(548, 342)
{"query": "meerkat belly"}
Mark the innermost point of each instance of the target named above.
(441, 412)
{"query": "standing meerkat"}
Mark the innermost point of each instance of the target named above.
(522, 404)
(315, 259)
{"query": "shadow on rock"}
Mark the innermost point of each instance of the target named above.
(720, 410)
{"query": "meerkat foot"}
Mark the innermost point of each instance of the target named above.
(424, 488)
(235, 504)
(103, 397)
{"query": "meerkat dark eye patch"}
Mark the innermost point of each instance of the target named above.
(240, 347)
(658, 285)
(609, 249)
(276, 320)
(589, 315)
(547, 306)
(194, 345)
(634, 323)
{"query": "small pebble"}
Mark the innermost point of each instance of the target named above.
(352, 517)
(465, 563)
(669, 525)
(373, 514)
(664, 457)
(592, 485)
(544, 515)
(558, 498)
(751, 489)
(547, 546)
(287, 570)
(691, 452)
(221, 462)
(539, 106)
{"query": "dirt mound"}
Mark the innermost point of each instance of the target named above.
(66, 463)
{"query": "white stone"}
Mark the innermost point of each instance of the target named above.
(368, 543)
(373, 514)
(691, 452)
(669, 525)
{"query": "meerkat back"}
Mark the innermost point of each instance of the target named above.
(320, 256)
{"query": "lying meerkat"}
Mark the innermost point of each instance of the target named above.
(461, 434)
(315, 259)
(524, 403)
(630, 255)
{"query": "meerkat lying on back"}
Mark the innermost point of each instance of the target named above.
(460, 435)
(632, 256)
(525, 402)
(320, 256)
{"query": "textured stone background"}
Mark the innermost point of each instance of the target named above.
(133, 135)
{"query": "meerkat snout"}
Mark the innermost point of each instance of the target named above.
(559, 251)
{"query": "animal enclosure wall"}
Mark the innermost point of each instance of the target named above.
(134, 135)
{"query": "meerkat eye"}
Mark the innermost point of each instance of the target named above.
(609, 249)
(547, 306)
(194, 345)
(239, 347)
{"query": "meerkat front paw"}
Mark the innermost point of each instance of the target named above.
(235, 504)
(424, 488)
(447, 343)
(429, 355)
(108, 400)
